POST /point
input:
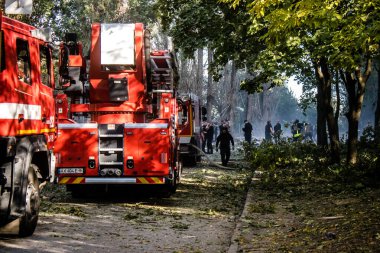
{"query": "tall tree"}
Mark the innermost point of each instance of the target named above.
(209, 98)
(342, 33)
(199, 73)
(377, 112)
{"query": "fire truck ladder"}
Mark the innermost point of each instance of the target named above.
(111, 146)
(162, 73)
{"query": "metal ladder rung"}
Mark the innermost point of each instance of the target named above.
(162, 91)
(160, 57)
(111, 135)
(110, 163)
(110, 149)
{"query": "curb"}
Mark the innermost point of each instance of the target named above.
(234, 244)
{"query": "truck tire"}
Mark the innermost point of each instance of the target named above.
(28, 221)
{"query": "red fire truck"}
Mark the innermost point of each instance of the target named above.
(28, 125)
(190, 125)
(121, 125)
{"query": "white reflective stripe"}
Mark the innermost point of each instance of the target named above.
(146, 125)
(98, 180)
(78, 125)
(184, 139)
(13, 110)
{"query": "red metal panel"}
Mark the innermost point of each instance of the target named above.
(75, 146)
(146, 145)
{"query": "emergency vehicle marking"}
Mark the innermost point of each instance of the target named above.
(146, 125)
(13, 110)
(150, 180)
(77, 125)
(72, 180)
(48, 130)
(97, 180)
(27, 131)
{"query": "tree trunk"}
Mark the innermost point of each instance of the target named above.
(250, 112)
(355, 103)
(224, 109)
(199, 74)
(377, 112)
(321, 120)
(232, 96)
(337, 109)
(321, 113)
(209, 99)
(324, 79)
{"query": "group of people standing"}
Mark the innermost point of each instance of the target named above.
(302, 131)
(273, 132)
(223, 139)
(221, 133)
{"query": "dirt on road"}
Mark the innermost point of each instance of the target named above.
(200, 217)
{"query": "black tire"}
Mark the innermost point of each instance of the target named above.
(28, 221)
(171, 188)
(190, 160)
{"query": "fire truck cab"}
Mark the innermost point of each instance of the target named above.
(121, 125)
(27, 118)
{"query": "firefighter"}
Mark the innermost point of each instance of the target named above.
(297, 130)
(277, 131)
(224, 139)
(247, 129)
(268, 131)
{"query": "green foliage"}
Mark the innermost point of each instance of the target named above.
(78, 15)
(208, 23)
(301, 203)
(300, 165)
(263, 208)
(336, 29)
(49, 207)
(368, 135)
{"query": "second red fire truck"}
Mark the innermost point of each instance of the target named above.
(118, 122)
(190, 124)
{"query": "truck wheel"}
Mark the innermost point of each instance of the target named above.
(173, 186)
(28, 221)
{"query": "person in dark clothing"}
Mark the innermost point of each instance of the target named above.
(277, 132)
(209, 137)
(224, 139)
(247, 129)
(268, 131)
